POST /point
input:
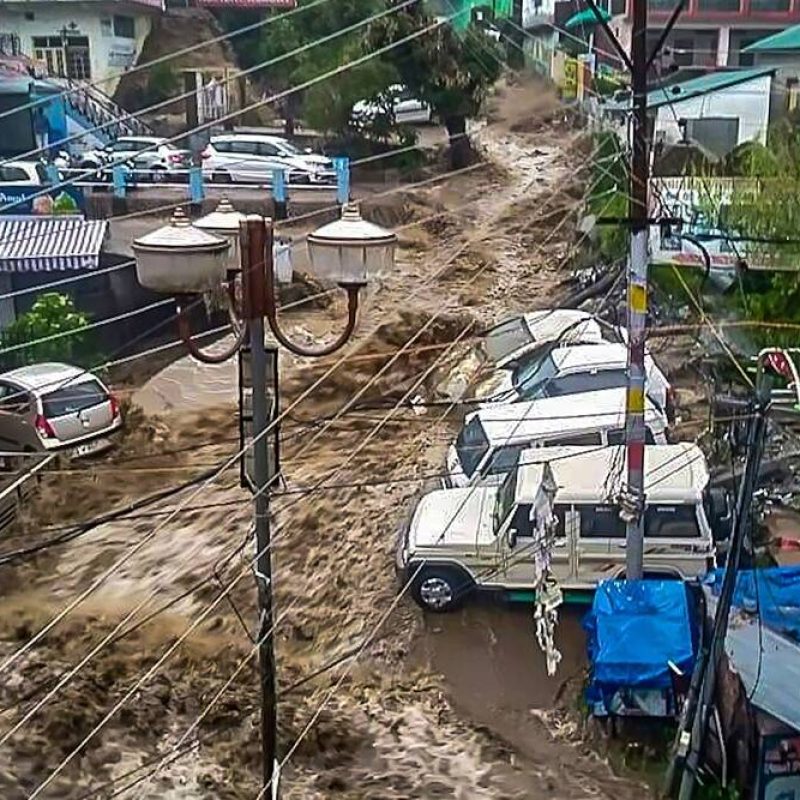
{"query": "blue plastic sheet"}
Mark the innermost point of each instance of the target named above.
(633, 630)
(774, 593)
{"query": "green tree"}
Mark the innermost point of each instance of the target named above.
(328, 99)
(52, 314)
(452, 72)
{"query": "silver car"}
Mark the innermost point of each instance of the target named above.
(68, 407)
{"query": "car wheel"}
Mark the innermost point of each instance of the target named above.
(221, 176)
(440, 589)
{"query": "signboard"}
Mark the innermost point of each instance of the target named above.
(779, 768)
(63, 200)
(691, 200)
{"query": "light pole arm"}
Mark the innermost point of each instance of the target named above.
(272, 307)
(185, 331)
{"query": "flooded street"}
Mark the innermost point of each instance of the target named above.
(147, 687)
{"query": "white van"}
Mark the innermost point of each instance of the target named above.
(491, 439)
(488, 537)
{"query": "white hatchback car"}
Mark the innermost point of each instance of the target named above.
(253, 157)
(68, 407)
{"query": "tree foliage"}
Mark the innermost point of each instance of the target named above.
(452, 72)
(52, 314)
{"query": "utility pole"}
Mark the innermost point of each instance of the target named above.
(256, 247)
(633, 502)
(700, 699)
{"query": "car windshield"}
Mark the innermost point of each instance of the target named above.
(506, 338)
(575, 384)
(504, 500)
(532, 374)
(73, 398)
(471, 446)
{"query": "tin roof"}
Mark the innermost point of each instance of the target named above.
(788, 39)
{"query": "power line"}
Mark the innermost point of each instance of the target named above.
(261, 65)
(257, 104)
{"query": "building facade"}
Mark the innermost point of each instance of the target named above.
(713, 33)
(82, 41)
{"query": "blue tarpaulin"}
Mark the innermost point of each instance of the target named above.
(774, 593)
(633, 630)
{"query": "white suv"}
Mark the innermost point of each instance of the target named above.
(252, 158)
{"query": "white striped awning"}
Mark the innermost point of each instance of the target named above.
(50, 244)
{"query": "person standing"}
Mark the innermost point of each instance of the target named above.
(41, 129)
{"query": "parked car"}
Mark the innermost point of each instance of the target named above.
(581, 368)
(68, 407)
(151, 157)
(23, 173)
(489, 537)
(253, 157)
(400, 103)
(492, 438)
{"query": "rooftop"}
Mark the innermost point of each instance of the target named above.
(788, 39)
(696, 87)
(578, 412)
(673, 472)
(37, 376)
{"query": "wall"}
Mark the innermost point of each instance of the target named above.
(749, 101)
(109, 54)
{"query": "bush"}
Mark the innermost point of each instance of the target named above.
(51, 315)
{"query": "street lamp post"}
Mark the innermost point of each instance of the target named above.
(182, 259)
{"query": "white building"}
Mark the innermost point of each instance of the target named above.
(93, 41)
(718, 112)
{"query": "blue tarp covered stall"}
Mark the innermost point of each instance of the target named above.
(773, 593)
(634, 630)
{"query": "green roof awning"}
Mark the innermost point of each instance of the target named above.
(788, 39)
(585, 18)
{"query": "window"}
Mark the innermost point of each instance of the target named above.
(266, 149)
(532, 374)
(14, 400)
(471, 446)
(769, 5)
(717, 134)
(222, 147)
(618, 7)
(248, 148)
(505, 338)
(124, 27)
(560, 513)
(617, 436)
(504, 459)
(521, 522)
(671, 522)
(13, 175)
(128, 146)
(41, 173)
(601, 522)
(585, 382)
(72, 399)
(504, 500)
(590, 439)
(718, 5)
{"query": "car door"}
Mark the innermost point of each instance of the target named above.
(245, 165)
(675, 541)
(600, 552)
